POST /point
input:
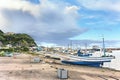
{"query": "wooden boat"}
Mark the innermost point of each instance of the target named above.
(87, 61)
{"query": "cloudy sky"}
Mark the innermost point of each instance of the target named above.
(59, 22)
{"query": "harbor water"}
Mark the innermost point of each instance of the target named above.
(115, 63)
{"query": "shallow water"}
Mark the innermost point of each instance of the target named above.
(115, 63)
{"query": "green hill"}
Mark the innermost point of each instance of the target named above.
(16, 39)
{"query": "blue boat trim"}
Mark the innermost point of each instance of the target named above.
(93, 64)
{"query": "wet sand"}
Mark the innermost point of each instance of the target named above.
(22, 67)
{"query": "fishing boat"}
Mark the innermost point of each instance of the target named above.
(87, 59)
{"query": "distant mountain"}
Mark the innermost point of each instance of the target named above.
(16, 39)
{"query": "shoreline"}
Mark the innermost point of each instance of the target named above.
(22, 67)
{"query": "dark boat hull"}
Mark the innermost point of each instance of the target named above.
(85, 63)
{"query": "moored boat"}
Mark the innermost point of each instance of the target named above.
(87, 61)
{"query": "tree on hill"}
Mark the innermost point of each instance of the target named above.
(1, 37)
(17, 39)
(1, 32)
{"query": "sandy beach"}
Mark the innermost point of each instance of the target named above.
(22, 67)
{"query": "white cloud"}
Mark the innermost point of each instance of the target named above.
(113, 5)
(48, 44)
(72, 10)
(47, 21)
(19, 5)
(98, 12)
(117, 45)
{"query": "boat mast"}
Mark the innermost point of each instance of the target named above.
(103, 45)
(71, 45)
(85, 47)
